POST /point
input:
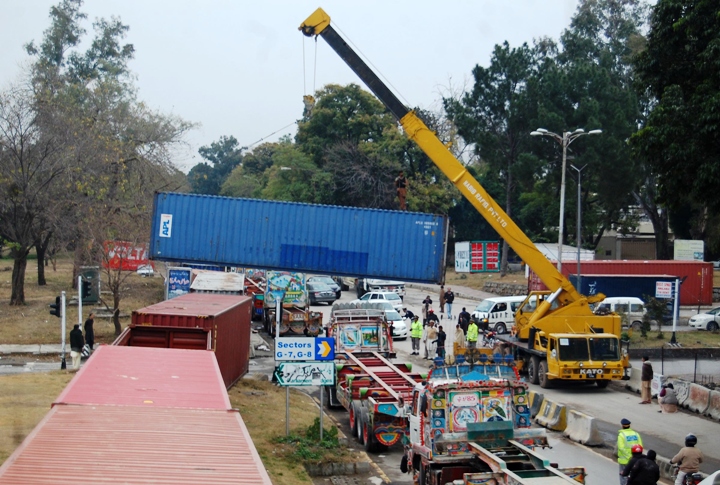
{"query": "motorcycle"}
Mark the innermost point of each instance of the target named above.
(690, 478)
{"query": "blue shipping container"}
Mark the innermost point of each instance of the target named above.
(290, 236)
(638, 286)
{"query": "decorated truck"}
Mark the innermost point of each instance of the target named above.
(297, 318)
(470, 424)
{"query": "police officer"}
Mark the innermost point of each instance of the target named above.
(416, 331)
(627, 438)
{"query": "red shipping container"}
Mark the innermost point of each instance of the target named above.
(696, 289)
(225, 317)
(116, 445)
(150, 377)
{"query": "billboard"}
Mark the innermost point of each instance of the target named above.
(178, 282)
(689, 250)
(124, 255)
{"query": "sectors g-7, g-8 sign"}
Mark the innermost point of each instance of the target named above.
(304, 348)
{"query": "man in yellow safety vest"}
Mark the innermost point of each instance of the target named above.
(472, 335)
(416, 331)
(627, 438)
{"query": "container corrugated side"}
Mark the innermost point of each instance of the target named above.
(696, 289)
(638, 286)
(128, 444)
(373, 243)
(148, 377)
(226, 317)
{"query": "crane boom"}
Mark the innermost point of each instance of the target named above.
(318, 24)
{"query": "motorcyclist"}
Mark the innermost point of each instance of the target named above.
(688, 459)
(637, 454)
(645, 471)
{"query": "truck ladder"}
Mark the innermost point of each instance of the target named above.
(385, 374)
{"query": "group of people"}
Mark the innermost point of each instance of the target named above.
(667, 398)
(78, 341)
(637, 468)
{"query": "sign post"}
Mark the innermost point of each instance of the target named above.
(304, 361)
(673, 340)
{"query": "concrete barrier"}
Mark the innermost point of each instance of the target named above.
(713, 409)
(582, 428)
(535, 399)
(552, 415)
(634, 383)
(682, 390)
(698, 398)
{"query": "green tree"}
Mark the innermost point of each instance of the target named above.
(679, 141)
(224, 155)
(492, 117)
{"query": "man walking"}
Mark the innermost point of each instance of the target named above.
(449, 298)
(464, 320)
(441, 337)
(76, 345)
(646, 378)
(431, 340)
(416, 331)
(627, 438)
(90, 331)
(442, 300)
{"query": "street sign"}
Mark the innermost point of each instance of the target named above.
(304, 348)
(664, 289)
(305, 373)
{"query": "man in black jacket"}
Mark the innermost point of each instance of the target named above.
(76, 345)
(645, 471)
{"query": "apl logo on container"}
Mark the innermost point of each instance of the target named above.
(165, 225)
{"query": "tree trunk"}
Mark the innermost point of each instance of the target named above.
(659, 218)
(18, 276)
(41, 249)
(116, 311)
(508, 211)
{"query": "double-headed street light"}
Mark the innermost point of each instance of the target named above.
(565, 140)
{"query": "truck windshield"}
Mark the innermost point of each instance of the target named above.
(573, 349)
(604, 349)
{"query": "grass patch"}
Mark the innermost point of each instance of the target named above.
(33, 324)
(688, 339)
(262, 406)
(24, 401)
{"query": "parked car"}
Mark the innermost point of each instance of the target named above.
(375, 296)
(632, 307)
(328, 280)
(145, 270)
(399, 327)
(707, 320)
(320, 293)
(497, 313)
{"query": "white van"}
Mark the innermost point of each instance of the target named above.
(631, 308)
(497, 313)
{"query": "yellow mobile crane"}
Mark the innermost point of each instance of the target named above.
(558, 336)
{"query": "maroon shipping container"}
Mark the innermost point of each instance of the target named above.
(148, 377)
(225, 317)
(140, 445)
(696, 289)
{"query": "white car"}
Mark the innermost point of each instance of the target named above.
(713, 479)
(377, 296)
(399, 327)
(145, 270)
(706, 321)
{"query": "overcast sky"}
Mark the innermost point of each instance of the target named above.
(236, 67)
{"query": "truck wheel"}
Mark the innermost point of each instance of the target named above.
(404, 464)
(602, 384)
(500, 328)
(352, 417)
(369, 437)
(636, 326)
(533, 369)
(542, 375)
(360, 417)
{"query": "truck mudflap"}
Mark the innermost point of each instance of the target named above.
(389, 434)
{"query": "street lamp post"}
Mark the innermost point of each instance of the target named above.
(579, 220)
(565, 140)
